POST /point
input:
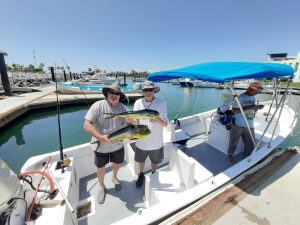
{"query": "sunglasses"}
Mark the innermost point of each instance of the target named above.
(148, 90)
(114, 93)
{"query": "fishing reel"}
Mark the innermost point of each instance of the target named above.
(225, 118)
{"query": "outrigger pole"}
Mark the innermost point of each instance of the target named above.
(59, 164)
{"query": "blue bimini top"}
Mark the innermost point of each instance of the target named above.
(221, 72)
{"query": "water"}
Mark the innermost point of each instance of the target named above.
(36, 132)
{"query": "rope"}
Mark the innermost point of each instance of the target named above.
(37, 189)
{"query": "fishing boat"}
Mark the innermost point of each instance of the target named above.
(98, 79)
(195, 163)
(68, 88)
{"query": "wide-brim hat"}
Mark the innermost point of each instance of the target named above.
(114, 87)
(256, 86)
(150, 85)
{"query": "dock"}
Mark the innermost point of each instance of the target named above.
(275, 199)
(14, 106)
(268, 196)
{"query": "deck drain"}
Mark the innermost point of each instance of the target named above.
(84, 209)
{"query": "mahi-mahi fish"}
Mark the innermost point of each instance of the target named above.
(130, 132)
(139, 114)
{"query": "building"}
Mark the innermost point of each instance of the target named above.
(292, 61)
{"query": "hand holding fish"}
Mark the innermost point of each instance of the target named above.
(154, 119)
(104, 139)
(159, 120)
(132, 121)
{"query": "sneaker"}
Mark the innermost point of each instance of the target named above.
(101, 196)
(140, 180)
(230, 158)
(117, 184)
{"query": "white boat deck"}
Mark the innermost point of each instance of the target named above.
(117, 205)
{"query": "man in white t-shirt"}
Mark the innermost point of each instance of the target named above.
(152, 145)
(99, 126)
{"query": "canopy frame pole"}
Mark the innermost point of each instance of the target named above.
(243, 114)
(275, 83)
(281, 108)
(268, 113)
(296, 112)
(268, 125)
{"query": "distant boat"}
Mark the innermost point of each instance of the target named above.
(66, 88)
(138, 79)
(97, 79)
(200, 84)
(242, 85)
(175, 82)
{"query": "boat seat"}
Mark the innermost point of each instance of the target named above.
(129, 147)
(195, 126)
(181, 137)
(201, 173)
(176, 177)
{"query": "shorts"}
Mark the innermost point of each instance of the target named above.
(156, 156)
(101, 159)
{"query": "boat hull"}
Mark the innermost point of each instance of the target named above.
(166, 191)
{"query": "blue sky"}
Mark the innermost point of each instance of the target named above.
(146, 34)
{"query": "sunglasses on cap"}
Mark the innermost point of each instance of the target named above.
(148, 89)
(114, 93)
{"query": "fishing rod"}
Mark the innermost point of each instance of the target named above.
(60, 164)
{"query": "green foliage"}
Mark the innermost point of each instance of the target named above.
(292, 84)
(30, 68)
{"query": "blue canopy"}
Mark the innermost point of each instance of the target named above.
(221, 72)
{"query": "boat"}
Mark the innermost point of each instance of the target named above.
(242, 85)
(97, 79)
(200, 84)
(195, 163)
(69, 88)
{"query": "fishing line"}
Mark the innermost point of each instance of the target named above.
(178, 109)
(194, 105)
(69, 68)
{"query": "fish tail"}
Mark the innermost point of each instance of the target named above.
(94, 142)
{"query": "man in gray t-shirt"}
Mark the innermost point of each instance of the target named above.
(247, 101)
(98, 126)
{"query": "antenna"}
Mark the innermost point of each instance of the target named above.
(35, 64)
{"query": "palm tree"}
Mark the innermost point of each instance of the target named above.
(41, 66)
(14, 66)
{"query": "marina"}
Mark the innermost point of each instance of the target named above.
(13, 107)
(210, 94)
(183, 124)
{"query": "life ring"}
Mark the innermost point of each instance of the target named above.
(44, 174)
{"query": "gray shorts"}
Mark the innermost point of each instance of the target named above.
(156, 156)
